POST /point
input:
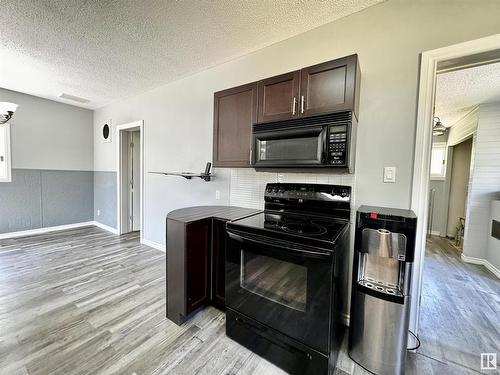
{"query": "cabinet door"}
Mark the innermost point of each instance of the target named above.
(197, 261)
(329, 87)
(219, 262)
(278, 97)
(234, 113)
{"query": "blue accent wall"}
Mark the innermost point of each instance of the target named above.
(105, 198)
(45, 198)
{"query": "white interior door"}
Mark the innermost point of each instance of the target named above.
(134, 186)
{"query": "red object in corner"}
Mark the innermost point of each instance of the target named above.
(373, 215)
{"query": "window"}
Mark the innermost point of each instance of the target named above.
(5, 173)
(438, 161)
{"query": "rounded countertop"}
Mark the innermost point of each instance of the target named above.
(195, 213)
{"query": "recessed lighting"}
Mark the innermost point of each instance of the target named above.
(73, 98)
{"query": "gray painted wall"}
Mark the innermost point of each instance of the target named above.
(52, 161)
(43, 198)
(178, 116)
(49, 135)
(105, 198)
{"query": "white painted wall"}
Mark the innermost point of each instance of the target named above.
(388, 39)
(484, 182)
(49, 135)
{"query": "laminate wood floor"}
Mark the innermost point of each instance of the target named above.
(460, 308)
(84, 301)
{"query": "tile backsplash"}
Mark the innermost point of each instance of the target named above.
(248, 186)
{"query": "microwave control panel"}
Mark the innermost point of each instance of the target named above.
(337, 145)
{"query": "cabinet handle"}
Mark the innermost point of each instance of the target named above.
(294, 102)
(302, 104)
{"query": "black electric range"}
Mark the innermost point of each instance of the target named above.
(310, 230)
(284, 268)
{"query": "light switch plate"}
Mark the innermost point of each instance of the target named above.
(389, 174)
(217, 194)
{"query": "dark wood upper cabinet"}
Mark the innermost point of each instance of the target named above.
(234, 114)
(332, 86)
(278, 97)
(329, 87)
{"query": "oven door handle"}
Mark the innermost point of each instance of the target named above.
(302, 251)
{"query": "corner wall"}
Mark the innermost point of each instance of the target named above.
(52, 162)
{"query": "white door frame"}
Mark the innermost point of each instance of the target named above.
(131, 125)
(423, 144)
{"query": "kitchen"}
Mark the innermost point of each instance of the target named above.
(282, 275)
(357, 78)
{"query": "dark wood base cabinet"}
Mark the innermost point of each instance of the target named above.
(196, 256)
(189, 268)
(218, 262)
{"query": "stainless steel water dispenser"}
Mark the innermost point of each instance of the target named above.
(380, 304)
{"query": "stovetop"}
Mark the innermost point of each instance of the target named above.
(312, 230)
(311, 214)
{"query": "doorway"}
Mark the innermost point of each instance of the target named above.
(454, 175)
(130, 177)
(456, 56)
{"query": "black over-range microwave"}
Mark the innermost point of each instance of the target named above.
(327, 141)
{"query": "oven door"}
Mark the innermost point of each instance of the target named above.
(290, 147)
(285, 286)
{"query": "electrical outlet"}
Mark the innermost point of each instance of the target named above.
(98, 212)
(389, 174)
(217, 194)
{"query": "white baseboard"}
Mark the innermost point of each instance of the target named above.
(482, 262)
(435, 233)
(154, 245)
(32, 232)
(105, 227)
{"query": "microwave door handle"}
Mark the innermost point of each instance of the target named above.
(275, 244)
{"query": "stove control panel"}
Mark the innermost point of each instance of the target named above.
(316, 192)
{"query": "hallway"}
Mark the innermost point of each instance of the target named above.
(460, 308)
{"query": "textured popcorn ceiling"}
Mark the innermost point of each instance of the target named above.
(458, 92)
(109, 49)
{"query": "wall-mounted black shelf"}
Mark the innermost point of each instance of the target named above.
(206, 176)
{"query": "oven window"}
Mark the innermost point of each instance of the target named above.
(277, 280)
(305, 148)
